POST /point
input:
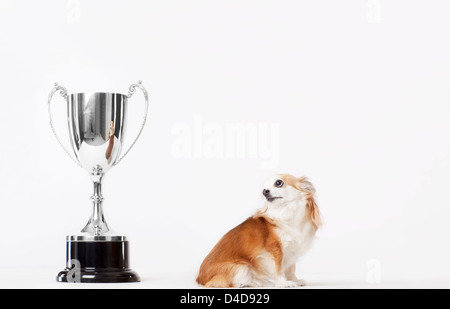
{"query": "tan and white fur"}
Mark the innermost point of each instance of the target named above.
(263, 250)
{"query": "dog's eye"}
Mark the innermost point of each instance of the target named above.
(279, 183)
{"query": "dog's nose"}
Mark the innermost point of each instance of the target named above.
(266, 192)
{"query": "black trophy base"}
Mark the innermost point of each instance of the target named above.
(97, 262)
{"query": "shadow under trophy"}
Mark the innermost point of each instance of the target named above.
(97, 124)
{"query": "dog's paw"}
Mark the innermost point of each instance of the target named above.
(286, 284)
(300, 282)
(246, 285)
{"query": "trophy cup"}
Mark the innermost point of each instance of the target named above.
(97, 124)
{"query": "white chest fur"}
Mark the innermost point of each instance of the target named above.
(295, 241)
(295, 230)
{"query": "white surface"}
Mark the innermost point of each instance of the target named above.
(355, 93)
(45, 279)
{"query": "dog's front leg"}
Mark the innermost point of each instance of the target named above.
(290, 275)
(286, 279)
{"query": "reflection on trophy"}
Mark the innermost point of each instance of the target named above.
(97, 124)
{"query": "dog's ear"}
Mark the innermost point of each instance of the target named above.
(314, 213)
(305, 185)
(301, 184)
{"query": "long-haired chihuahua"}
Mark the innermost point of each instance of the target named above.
(263, 251)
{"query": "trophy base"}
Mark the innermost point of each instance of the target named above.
(97, 262)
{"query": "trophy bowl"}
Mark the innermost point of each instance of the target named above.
(97, 124)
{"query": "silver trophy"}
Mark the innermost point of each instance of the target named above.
(97, 123)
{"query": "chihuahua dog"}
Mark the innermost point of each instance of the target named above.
(263, 251)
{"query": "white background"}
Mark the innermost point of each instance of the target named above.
(360, 91)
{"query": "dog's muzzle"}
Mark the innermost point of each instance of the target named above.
(269, 197)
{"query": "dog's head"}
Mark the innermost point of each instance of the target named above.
(280, 190)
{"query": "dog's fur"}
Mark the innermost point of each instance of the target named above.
(263, 250)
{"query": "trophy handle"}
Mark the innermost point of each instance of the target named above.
(130, 94)
(63, 92)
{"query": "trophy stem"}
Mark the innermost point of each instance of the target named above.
(97, 224)
(97, 257)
